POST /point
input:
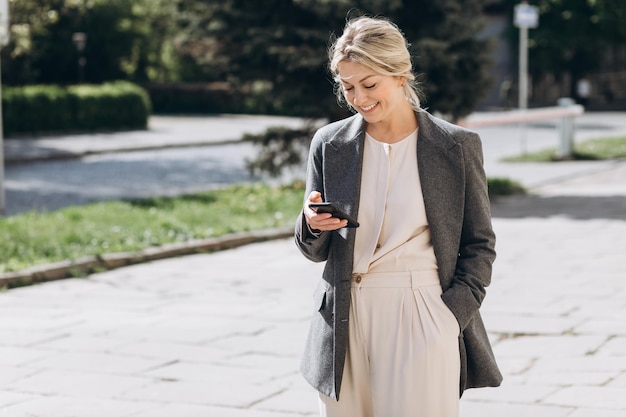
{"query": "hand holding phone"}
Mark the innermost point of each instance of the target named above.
(336, 211)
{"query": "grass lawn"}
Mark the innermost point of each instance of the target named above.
(596, 149)
(35, 238)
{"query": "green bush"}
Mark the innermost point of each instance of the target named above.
(213, 98)
(192, 98)
(504, 187)
(48, 109)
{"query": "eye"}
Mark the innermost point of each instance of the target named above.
(348, 88)
(370, 86)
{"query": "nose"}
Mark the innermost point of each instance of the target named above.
(357, 95)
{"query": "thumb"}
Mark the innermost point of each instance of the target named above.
(315, 197)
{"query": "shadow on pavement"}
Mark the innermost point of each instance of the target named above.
(20, 201)
(574, 207)
(50, 185)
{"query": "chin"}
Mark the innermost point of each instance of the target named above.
(371, 118)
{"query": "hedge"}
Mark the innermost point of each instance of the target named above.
(192, 98)
(37, 109)
(210, 98)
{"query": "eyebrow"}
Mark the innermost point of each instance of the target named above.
(343, 80)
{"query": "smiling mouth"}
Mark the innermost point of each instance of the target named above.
(368, 108)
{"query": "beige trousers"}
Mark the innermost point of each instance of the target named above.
(403, 351)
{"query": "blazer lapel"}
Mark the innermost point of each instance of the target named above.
(343, 158)
(440, 166)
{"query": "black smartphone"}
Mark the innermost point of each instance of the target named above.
(336, 211)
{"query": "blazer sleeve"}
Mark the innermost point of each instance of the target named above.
(314, 246)
(477, 244)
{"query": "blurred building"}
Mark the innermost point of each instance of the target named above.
(605, 89)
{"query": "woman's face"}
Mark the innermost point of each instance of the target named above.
(373, 95)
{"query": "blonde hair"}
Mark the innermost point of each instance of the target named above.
(379, 45)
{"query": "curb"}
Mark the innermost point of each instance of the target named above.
(89, 264)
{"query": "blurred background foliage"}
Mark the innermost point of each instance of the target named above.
(270, 55)
(126, 39)
(272, 50)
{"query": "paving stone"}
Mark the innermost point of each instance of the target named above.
(113, 324)
(28, 337)
(500, 409)
(192, 332)
(608, 307)
(186, 410)
(9, 398)
(295, 400)
(530, 324)
(511, 392)
(514, 302)
(265, 361)
(595, 412)
(172, 352)
(23, 310)
(41, 323)
(74, 407)
(9, 374)
(615, 327)
(215, 394)
(97, 362)
(15, 356)
(81, 384)
(568, 378)
(536, 346)
(223, 303)
(619, 381)
(590, 397)
(206, 374)
(589, 363)
(514, 365)
(265, 342)
(79, 343)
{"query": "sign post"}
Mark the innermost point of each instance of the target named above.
(4, 40)
(525, 17)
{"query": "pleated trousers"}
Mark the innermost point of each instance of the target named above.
(403, 351)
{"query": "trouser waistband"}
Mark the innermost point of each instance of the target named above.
(409, 279)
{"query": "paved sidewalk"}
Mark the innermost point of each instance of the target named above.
(221, 334)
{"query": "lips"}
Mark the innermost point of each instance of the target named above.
(368, 108)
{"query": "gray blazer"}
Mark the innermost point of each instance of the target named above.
(454, 186)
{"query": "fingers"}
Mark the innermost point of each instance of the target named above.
(321, 221)
(314, 197)
(325, 221)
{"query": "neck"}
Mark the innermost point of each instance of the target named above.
(395, 128)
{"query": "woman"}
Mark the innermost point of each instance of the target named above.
(396, 330)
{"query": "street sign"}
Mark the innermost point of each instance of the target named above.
(4, 22)
(526, 16)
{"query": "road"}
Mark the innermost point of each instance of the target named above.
(49, 185)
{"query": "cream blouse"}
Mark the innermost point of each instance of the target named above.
(394, 233)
